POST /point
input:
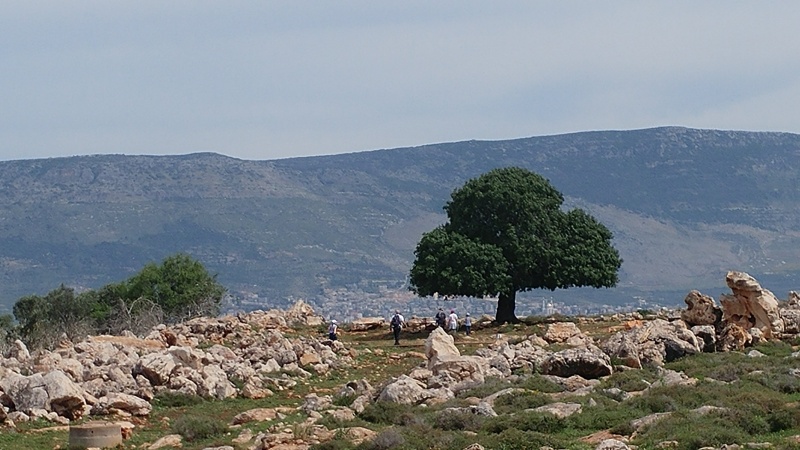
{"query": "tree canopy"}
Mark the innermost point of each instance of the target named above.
(506, 232)
(177, 289)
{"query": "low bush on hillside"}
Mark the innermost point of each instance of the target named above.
(519, 401)
(195, 428)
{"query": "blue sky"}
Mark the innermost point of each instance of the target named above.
(268, 79)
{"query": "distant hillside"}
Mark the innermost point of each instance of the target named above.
(685, 206)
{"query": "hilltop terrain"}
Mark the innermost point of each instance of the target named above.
(714, 375)
(339, 231)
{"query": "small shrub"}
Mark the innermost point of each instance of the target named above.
(513, 439)
(458, 420)
(193, 428)
(334, 444)
(385, 440)
(168, 399)
(526, 421)
(489, 387)
(344, 400)
(692, 431)
(606, 414)
(783, 419)
(385, 413)
(539, 383)
(519, 401)
(629, 380)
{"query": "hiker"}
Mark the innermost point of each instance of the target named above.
(467, 323)
(440, 317)
(452, 322)
(332, 329)
(397, 323)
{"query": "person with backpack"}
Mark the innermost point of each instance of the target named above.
(440, 317)
(332, 329)
(397, 323)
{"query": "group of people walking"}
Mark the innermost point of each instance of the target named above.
(448, 322)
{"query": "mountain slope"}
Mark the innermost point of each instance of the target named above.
(685, 206)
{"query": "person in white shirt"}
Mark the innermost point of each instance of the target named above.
(452, 321)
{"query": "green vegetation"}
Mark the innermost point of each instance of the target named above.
(506, 232)
(178, 289)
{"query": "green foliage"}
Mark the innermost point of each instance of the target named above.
(488, 387)
(194, 428)
(537, 382)
(170, 399)
(519, 401)
(385, 440)
(334, 444)
(386, 413)
(179, 288)
(525, 421)
(506, 233)
(42, 320)
(629, 380)
(515, 439)
(451, 420)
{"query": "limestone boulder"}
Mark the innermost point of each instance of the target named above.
(367, 323)
(652, 343)
(156, 367)
(560, 332)
(791, 320)
(404, 390)
(440, 346)
(50, 392)
(65, 397)
(750, 305)
(588, 362)
(701, 310)
(117, 403)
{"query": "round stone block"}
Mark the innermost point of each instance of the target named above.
(95, 434)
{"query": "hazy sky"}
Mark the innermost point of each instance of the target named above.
(273, 79)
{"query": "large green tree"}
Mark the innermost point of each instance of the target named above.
(506, 232)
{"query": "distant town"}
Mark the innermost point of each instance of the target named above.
(346, 306)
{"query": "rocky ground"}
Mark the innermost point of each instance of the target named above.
(279, 383)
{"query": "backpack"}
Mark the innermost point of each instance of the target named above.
(395, 321)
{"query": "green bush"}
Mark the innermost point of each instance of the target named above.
(385, 413)
(525, 421)
(519, 401)
(489, 387)
(334, 444)
(193, 428)
(603, 415)
(344, 400)
(692, 431)
(385, 440)
(629, 380)
(168, 399)
(537, 382)
(458, 420)
(513, 439)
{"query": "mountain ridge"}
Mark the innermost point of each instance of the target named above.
(685, 206)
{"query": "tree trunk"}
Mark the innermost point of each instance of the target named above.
(506, 304)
